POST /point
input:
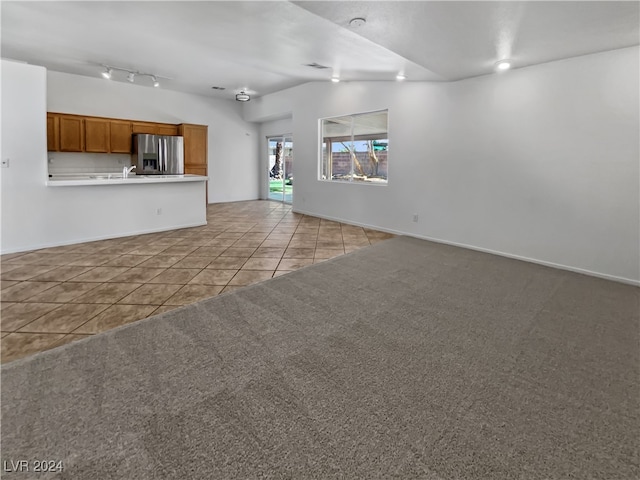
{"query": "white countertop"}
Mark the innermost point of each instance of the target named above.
(117, 179)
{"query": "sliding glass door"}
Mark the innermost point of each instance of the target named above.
(280, 164)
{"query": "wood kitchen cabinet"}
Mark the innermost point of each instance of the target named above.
(166, 129)
(53, 133)
(195, 149)
(195, 144)
(120, 136)
(154, 128)
(81, 133)
(97, 135)
(71, 133)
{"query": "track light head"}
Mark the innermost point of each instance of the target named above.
(156, 83)
(131, 77)
(107, 73)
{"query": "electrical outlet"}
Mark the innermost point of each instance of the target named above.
(415, 217)
(5, 163)
(158, 211)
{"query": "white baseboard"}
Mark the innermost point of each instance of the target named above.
(628, 281)
(95, 239)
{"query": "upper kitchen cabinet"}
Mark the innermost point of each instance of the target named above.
(53, 133)
(166, 129)
(154, 128)
(120, 136)
(71, 133)
(81, 133)
(97, 135)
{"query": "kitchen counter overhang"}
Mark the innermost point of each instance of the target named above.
(118, 179)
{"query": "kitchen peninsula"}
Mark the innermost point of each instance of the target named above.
(99, 209)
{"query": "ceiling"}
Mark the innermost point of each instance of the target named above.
(265, 46)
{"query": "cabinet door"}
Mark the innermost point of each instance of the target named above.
(195, 144)
(154, 128)
(71, 133)
(143, 127)
(53, 133)
(120, 136)
(96, 135)
(166, 129)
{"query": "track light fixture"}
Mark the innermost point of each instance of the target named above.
(131, 74)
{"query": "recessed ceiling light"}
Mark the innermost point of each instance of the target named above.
(335, 79)
(357, 22)
(401, 76)
(503, 65)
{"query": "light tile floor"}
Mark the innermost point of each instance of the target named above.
(57, 295)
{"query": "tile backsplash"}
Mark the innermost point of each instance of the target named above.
(70, 163)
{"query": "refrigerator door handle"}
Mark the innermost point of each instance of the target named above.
(163, 155)
(166, 154)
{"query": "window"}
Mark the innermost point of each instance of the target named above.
(354, 148)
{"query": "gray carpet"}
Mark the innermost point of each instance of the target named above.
(407, 359)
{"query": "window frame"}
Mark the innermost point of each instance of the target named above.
(351, 138)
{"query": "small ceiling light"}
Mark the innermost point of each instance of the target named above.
(357, 22)
(156, 83)
(335, 79)
(503, 65)
(243, 96)
(401, 76)
(131, 77)
(107, 73)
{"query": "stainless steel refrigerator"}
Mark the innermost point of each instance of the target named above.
(158, 154)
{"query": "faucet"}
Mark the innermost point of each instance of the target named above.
(126, 171)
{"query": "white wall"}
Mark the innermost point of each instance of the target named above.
(233, 142)
(540, 163)
(24, 144)
(36, 216)
(269, 129)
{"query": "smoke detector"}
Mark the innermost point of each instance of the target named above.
(357, 22)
